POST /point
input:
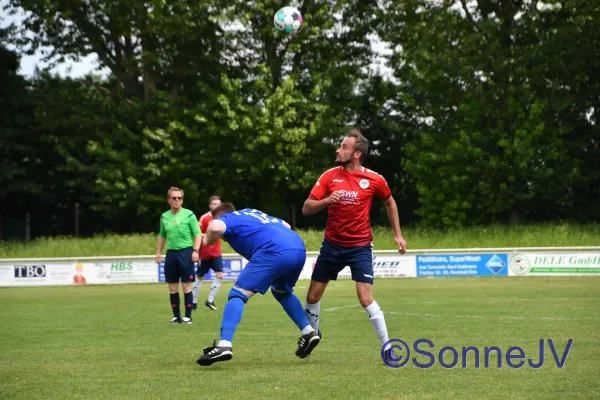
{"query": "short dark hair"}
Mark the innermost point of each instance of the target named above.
(362, 144)
(222, 209)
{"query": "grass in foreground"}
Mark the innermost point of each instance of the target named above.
(107, 342)
(490, 236)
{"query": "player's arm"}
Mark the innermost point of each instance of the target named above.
(197, 241)
(195, 229)
(392, 212)
(382, 190)
(215, 229)
(318, 199)
(160, 243)
(312, 206)
(203, 224)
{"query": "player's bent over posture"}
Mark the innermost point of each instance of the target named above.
(348, 191)
(276, 256)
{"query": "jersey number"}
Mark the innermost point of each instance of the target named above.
(264, 218)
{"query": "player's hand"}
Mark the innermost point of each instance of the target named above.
(334, 197)
(195, 257)
(158, 258)
(401, 243)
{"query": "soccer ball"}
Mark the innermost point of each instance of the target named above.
(287, 20)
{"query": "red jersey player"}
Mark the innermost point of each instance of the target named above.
(347, 191)
(210, 258)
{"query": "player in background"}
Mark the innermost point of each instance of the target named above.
(348, 190)
(276, 256)
(179, 229)
(210, 258)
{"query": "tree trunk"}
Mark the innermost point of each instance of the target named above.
(515, 217)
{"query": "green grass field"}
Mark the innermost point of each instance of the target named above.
(114, 342)
(548, 235)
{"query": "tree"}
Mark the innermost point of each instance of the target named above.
(487, 149)
(149, 45)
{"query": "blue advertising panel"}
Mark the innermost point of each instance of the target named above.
(446, 265)
(231, 269)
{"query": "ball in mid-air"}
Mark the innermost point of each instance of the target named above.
(288, 20)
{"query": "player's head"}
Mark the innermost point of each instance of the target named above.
(353, 149)
(175, 197)
(224, 208)
(214, 202)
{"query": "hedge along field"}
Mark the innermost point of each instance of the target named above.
(547, 235)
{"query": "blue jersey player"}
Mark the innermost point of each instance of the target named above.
(276, 256)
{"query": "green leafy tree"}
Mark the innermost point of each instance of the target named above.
(17, 136)
(147, 46)
(486, 149)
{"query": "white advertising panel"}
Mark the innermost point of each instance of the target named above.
(384, 266)
(38, 274)
(554, 264)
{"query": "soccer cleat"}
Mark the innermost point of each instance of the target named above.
(186, 321)
(307, 343)
(390, 357)
(210, 305)
(195, 306)
(175, 320)
(215, 354)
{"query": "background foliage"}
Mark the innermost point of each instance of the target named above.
(488, 113)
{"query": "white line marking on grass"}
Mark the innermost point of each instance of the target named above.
(570, 299)
(356, 305)
(339, 308)
(518, 318)
(487, 317)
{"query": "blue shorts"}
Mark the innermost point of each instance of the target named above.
(216, 264)
(179, 266)
(333, 258)
(279, 270)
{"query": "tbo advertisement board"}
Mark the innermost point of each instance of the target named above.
(77, 273)
(40, 274)
(448, 265)
(554, 264)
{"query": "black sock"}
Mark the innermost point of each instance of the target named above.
(175, 305)
(188, 298)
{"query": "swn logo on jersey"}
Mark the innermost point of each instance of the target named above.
(349, 197)
(352, 194)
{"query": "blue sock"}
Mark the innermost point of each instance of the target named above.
(292, 306)
(232, 314)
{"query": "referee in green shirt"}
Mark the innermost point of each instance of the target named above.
(179, 228)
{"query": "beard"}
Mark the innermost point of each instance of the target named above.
(339, 161)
